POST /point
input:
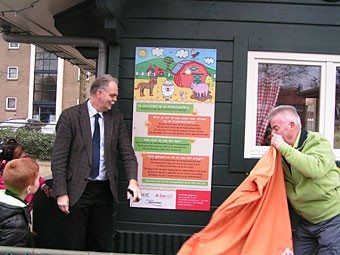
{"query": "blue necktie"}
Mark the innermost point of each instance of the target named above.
(95, 148)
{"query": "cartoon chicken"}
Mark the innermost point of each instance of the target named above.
(194, 54)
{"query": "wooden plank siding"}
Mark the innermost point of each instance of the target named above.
(232, 28)
(160, 33)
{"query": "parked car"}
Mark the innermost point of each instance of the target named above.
(49, 128)
(21, 123)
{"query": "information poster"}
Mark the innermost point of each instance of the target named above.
(173, 126)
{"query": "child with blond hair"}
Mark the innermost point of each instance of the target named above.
(21, 177)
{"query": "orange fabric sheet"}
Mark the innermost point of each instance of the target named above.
(253, 220)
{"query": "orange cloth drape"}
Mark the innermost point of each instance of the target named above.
(253, 220)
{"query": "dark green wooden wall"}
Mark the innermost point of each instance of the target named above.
(149, 24)
(232, 28)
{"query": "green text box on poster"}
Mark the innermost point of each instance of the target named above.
(174, 182)
(165, 108)
(171, 145)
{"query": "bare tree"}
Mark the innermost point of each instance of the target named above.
(291, 75)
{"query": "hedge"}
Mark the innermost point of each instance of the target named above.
(34, 143)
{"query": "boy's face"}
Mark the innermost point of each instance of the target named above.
(35, 187)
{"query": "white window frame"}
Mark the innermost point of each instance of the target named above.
(8, 103)
(8, 72)
(13, 45)
(327, 63)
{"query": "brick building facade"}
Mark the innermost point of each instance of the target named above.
(33, 89)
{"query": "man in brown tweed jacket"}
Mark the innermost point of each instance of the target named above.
(87, 203)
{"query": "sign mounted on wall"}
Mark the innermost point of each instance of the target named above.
(173, 126)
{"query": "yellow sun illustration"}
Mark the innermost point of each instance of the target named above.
(142, 53)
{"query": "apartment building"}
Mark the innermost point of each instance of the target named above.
(37, 84)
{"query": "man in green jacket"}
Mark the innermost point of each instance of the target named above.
(312, 182)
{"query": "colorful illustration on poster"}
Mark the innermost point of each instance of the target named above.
(174, 97)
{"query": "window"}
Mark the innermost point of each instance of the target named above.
(309, 82)
(45, 61)
(13, 45)
(11, 103)
(45, 85)
(12, 73)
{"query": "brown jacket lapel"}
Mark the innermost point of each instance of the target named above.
(85, 128)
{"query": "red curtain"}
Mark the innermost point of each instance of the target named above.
(253, 220)
(268, 91)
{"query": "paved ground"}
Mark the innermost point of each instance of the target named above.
(45, 169)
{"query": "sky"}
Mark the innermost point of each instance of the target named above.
(204, 56)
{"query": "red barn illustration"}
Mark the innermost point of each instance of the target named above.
(186, 72)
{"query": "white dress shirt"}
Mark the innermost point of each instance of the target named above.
(102, 171)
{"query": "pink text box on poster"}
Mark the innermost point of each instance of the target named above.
(195, 200)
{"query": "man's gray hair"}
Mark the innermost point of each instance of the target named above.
(102, 82)
(288, 112)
